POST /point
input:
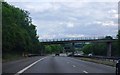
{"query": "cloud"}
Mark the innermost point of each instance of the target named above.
(112, 11)
(54, 36)
(62, 0)
(115, 16)
(70, 25)
(109, 23)
(72, 19)
(41, 7)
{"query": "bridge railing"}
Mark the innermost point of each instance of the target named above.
(77, 38)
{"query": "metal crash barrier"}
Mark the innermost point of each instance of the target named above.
(118, 67)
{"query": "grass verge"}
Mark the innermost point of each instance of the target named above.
(11, 57)
(99, 61)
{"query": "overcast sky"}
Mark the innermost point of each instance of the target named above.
(74, 18)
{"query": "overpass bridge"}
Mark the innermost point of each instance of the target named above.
(77, 40)
(102, 39)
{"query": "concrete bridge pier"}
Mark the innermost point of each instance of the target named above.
(73, 48)
(109, 46)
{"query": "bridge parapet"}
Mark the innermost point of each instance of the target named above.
(77, 38)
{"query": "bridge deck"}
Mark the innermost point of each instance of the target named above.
(77, 41)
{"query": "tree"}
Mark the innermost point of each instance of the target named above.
(53, 48)
(119, 42)
(48, 49)
(108, 37)
(119, 37)
(87, 49)
(19, 34)
(101, 48)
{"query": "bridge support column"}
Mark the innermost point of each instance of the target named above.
(109, 45)
(73, 49)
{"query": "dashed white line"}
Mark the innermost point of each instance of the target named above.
(73, 66)
(68, 62)
(85, 71)
(21, 71)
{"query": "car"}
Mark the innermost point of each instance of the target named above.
(57, 54)
(77, 54)
(90, 54)
(69, 54)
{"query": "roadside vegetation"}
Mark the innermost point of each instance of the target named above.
(18, 33)
(19, 37)
(49, 49)
(99, 61)
(119, 42)
(100, 49)
(11, 57)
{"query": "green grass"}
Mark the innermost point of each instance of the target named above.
(99, 61)
(11, 57)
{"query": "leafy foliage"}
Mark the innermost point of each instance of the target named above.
(53, 48)
(119, 41)
(96, 49)
(19, 34)
(101, 48)
(119, 37)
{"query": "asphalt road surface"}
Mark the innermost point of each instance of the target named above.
(55, 64)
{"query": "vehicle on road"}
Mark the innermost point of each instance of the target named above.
(57, 54)
(77, 54)
(69, 54)
(90, 54)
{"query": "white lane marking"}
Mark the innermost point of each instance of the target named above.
(85, 71)
(73, 66)
(21, 71)
(68, 62)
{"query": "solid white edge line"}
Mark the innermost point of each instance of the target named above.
(21, 71)
(85, 71)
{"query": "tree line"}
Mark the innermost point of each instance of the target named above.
(55, 48)
(19, 36)
(101, 48)
(18, 32)
(119, 42)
